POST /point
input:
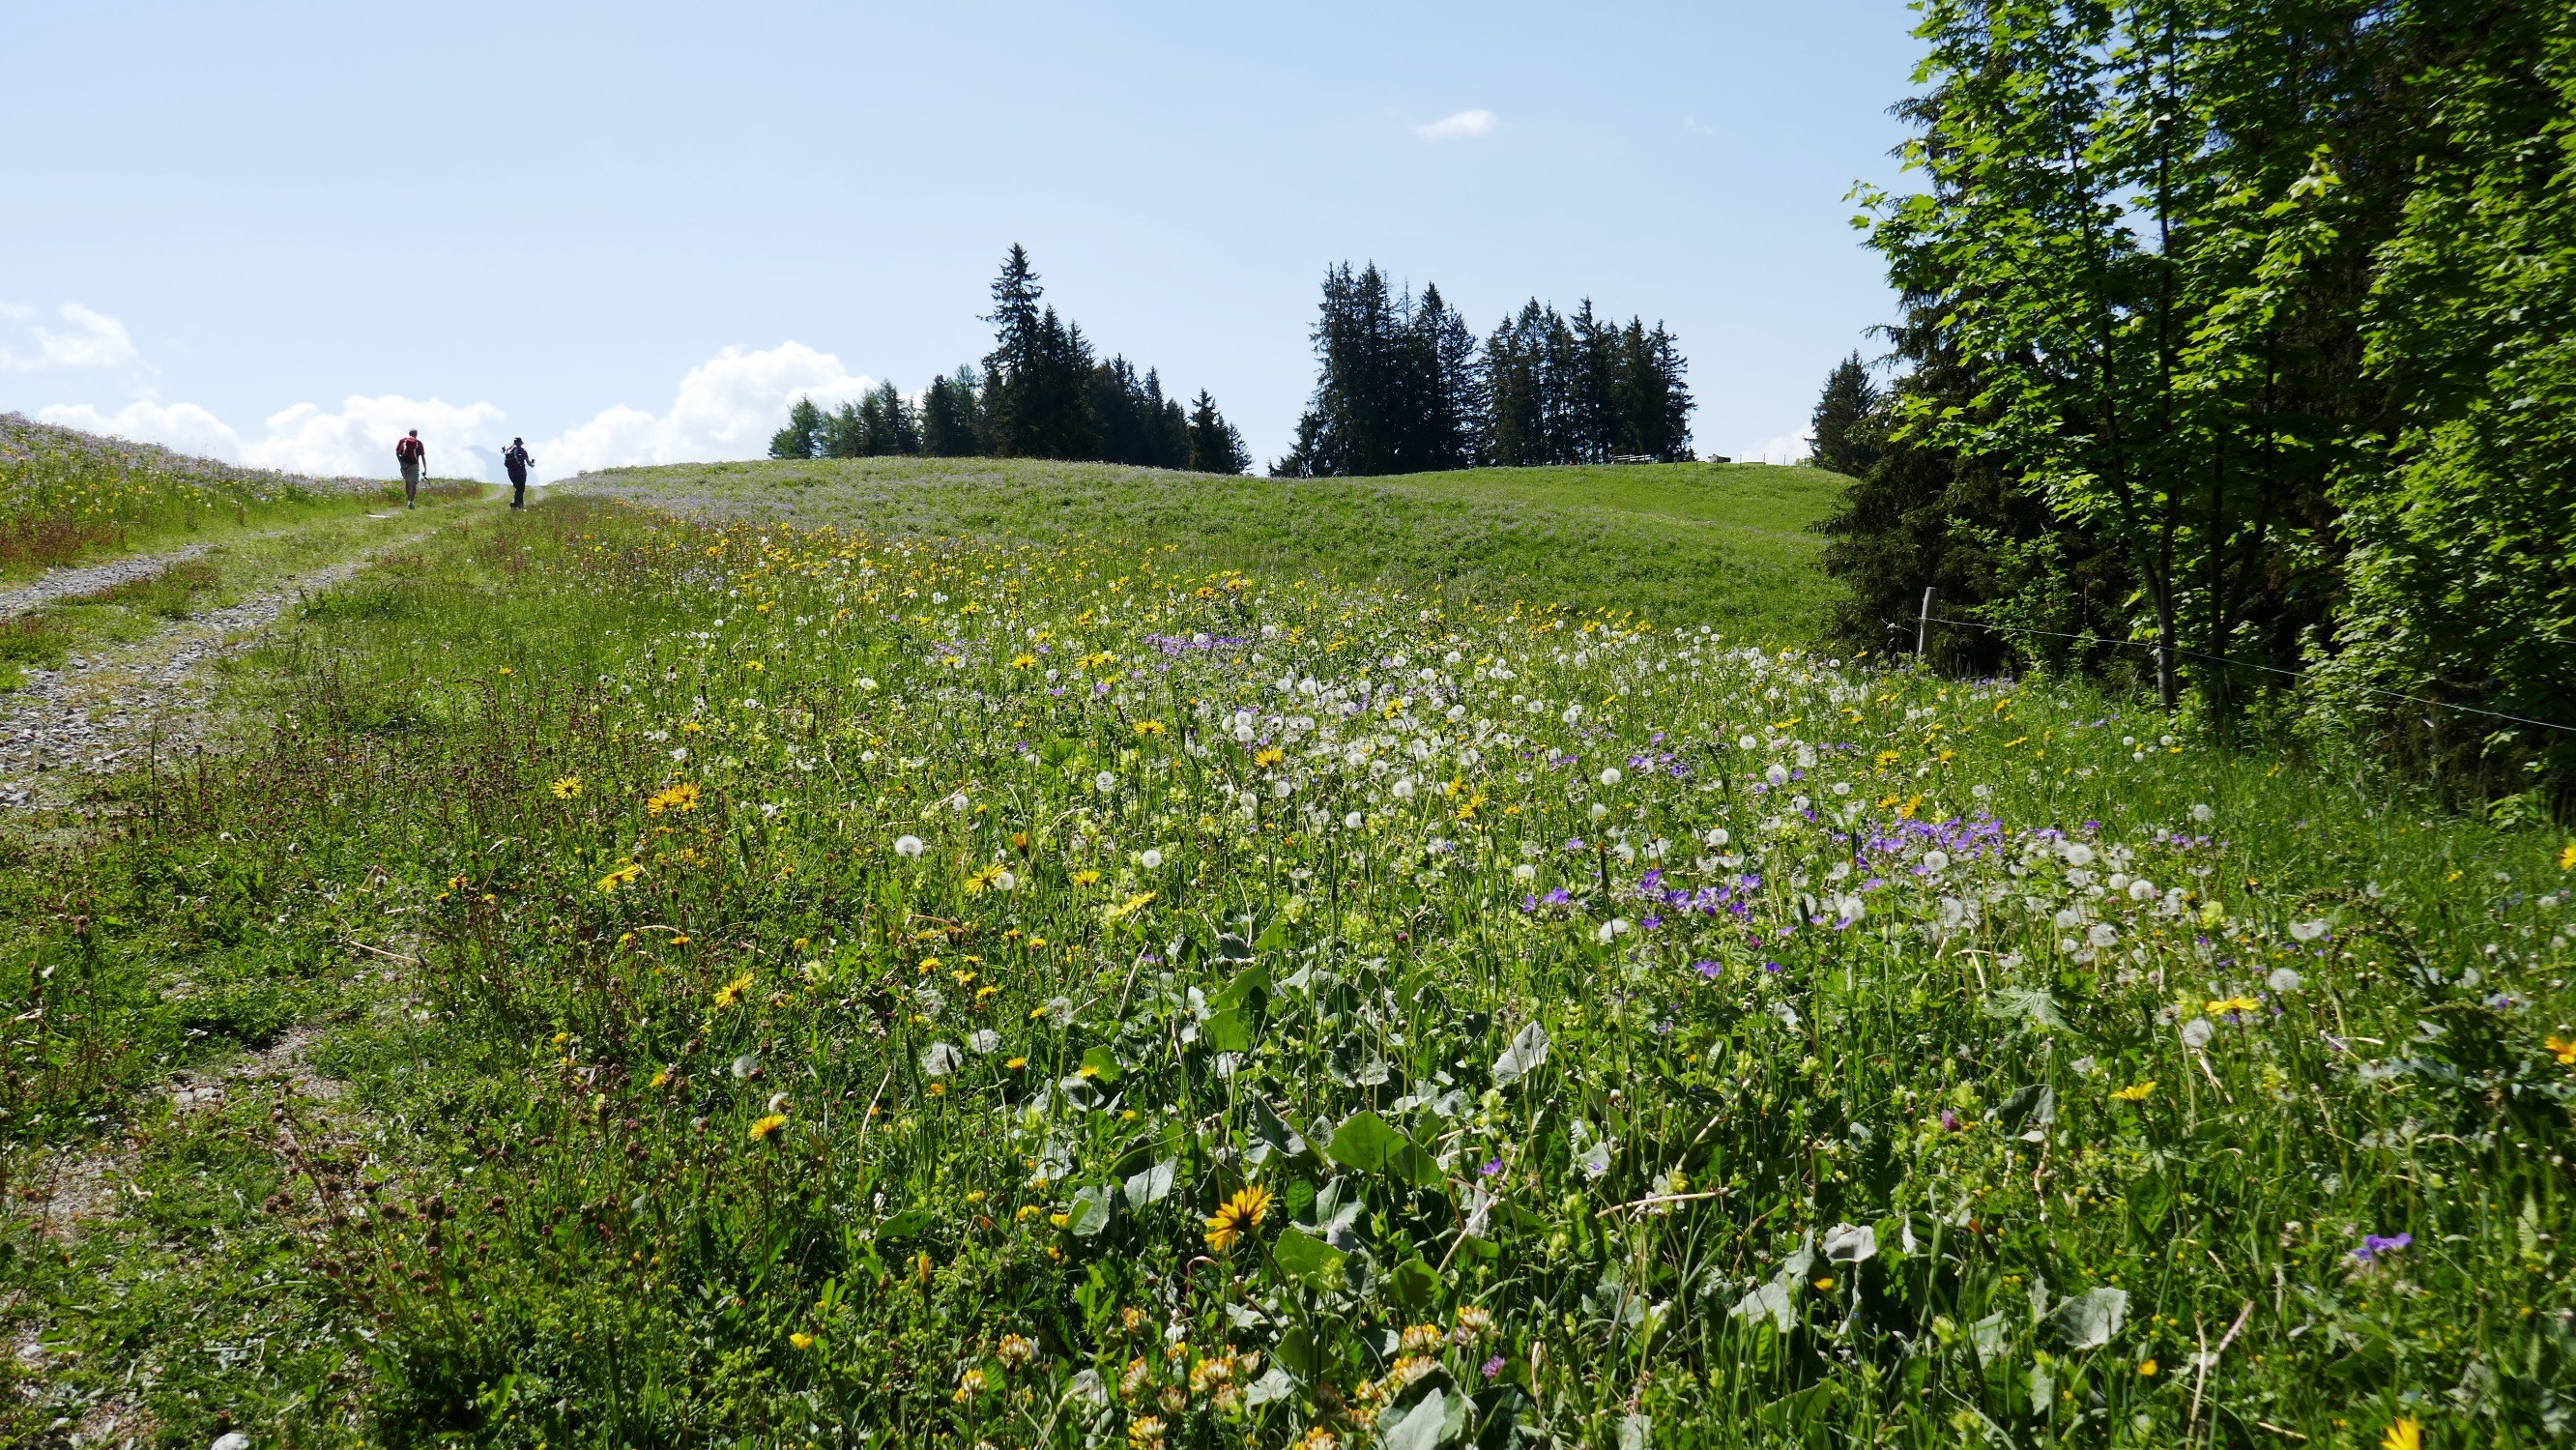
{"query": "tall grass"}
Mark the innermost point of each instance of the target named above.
(845, 989)
(65, 494)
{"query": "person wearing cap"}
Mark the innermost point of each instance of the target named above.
(413, 455)
(518, 463)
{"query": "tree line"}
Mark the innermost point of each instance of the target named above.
(1040, 393)
(1404, 386)
(2238, 352)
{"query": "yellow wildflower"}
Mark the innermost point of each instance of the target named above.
(2136, 1093)
(566, 787)
(682, 797)
(2403, 1435)
(1248, 1207)
(762, 1128)
(731, 992)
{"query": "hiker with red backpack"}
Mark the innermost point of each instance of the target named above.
(412, 454)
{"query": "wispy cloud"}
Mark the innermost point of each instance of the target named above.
(1464, 126)
(94, 340)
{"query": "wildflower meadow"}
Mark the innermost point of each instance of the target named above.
(797, 987)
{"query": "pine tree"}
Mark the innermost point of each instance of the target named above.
(1214, 445)
(1843, 442)
(803, 435)
(1037, 377)
(952, 417)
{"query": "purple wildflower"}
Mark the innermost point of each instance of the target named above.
(1707, 969)
(2373, 1245)
(1493, 1366)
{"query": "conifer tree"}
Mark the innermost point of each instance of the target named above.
(1214, 445)
(952, 417)
(1843, 442)
(803, 435)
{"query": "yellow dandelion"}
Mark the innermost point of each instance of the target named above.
(1149, 727)
(2564, 1049)
(764, 1127)
(1271, 756)
(1086, 878)
(2403, 1435)
(2567, 858)
(609, 883)
(566, 787)
(2218, 1005)
(1129, 907)
(2134, 1093)
(731, 992)
(1248, 1207)
(682, 797)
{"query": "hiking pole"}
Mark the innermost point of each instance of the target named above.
(1923, 625)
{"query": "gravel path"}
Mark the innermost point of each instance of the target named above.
(100, 713)
(68, 583)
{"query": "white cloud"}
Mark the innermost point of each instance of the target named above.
(183, 426)
(725, 408)
(1464, 126)
(94, 341)
(464, 441)
(1785, 449)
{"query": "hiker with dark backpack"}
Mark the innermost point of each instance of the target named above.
(413, 455)
(518, 463)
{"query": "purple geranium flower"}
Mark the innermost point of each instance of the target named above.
(2373, 1245)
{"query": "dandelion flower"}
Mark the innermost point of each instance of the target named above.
(766, 1125)
(2135, 1092)
(2233, 1004)
(2403, 1435)
(908, 847)
(1248, 1207)
(1152, 860)
(2197, 1032)
(566, 787)
(682, 797)
(731, 992)
(1610, 775)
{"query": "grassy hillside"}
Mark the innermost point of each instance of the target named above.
(674, 984)
(68, 496)
(1723, 545)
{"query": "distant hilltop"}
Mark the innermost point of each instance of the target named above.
(31, 451)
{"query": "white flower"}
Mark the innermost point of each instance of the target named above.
(908, 847)
(1936, 862)
(1599, 810)
(1243, 733)
(1104, 782)
(941, 1059)
(2308, 930)
(1778, 774)
(1006, 882)
(1717, 836)
(679, 752)
(1843, 787)
(1352, 821)
(1610, 775)
(870, 686)
(2076, 853)
(2201, 814)
(1572, 713)
(1747, 742)
(1404, 789)
(2142, 890)
(1610, 930)
(2284, 980)
(2196, 1033)
(746, 1065)
(2101, 934)
(778, 1102)
(1281, 788)
(985, 1040)
(1152, 860)
(2067, 919)
(1525, 872)
(1457, 712)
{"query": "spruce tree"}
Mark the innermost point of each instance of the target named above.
(803, 435)
(1214, 445)
(952, 417)
(1844, 443)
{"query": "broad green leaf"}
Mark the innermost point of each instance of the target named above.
(1303, 1256)
(1415, 1284)
(1422, 1427)
(1365, 1142)
(1526, 1054)
(1090, 1210)
(1230, 1031)
(904, 1225)
(2088, 1320)
(1103, 1064)
(1152, 1185)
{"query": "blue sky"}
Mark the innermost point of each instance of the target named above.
(627, 232)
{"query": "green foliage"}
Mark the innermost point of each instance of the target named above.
(2463, 574)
